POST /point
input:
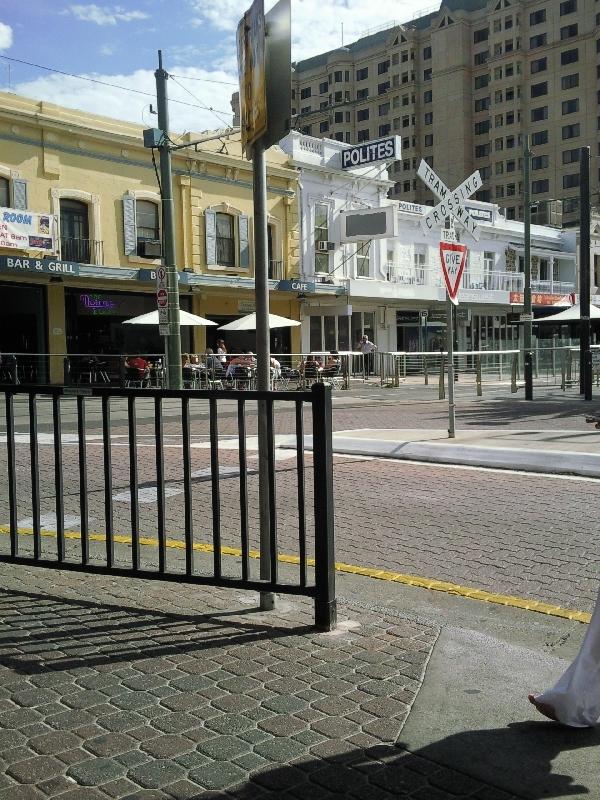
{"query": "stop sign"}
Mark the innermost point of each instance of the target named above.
(161, 298)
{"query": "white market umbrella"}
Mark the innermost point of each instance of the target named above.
(248, 323)
(185, 318)
(572, 314)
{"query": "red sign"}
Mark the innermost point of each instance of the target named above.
(161, 298)
(453, 257)
(537, 299)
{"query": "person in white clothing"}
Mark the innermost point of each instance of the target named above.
(367, 348)
(575, 699)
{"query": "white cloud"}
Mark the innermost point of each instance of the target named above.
(5, 36)
(316, 26)
(111, 102)
(107, 50)
(105, 15)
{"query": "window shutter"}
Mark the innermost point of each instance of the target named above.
(243, 241)
(19, 193)
(129, 225)
(210, 230)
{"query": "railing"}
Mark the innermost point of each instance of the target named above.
(83, 251)
(276, 270)
(475, 279)
(78, 457)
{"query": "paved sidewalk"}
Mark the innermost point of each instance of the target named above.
(114, 688)
(546, 451)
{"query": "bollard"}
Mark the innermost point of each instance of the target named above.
(396, 372)
(478, 375)
(563, 371)
(442, 388)
(425, 370)
(66, 371)
(513, 372)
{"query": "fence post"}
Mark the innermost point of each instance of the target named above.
(442, 388)
(513, 372)
(563, 371)
(396, 372)
(425, 370)
(66, 371)
(325, 602)
(478, 375)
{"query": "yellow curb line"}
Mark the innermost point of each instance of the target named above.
(367, 572)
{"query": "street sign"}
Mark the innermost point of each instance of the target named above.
(252, 77)
(451, 202)
(526, 317)
(449, 235)
(163, 329)
(161, 298)
(387, 149)
(453, 257)
(424, 316)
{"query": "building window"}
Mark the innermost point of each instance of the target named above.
(74, 231)
(499, 191)
(362, 259)
(539, 114)
(147, 224)
(482, 127)
(511, 166)
(427, 96)
(539, 162)
(225, 240)
(498, 144)
(510, 94)
(384, 109)
(569, 56)
(323, 87)
(429, 140)
(427, 74)
(568, 31)
(323, 127)
(509, 71)
(383, 67)
(499, 168)
(538, 41)
(362, 135)
(382, 88)
(539, 89)
(362, 94)
(338, 117)
(4, 193)
(481, 58)
(428, 118)
(568, 7)
(539, 137)
(510, 142)
(362, 114)
(481, 81)
(539, 65)
(362, 74)
(482, 151)
(570, 131)
(499, 121)
(304, 93)
(570, 156)
(539, 187)
(426, 53)
(569, 81)
(483, 104)
(537, 17)
(570, 181)
(482, 35)
(570, 106)
(510, 117)
(321, 235)
(384, 130)
(338, 76)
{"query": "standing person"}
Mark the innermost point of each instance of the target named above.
(367, 348)
(222, 352)
(575, 699)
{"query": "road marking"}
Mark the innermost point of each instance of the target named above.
(48, 521)
(447, 587)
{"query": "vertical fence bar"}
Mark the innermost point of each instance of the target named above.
(58, 479)
(107, 464)
(160, 484)
(301, 491)
(442, 382)
(243, 489)
(83, 501)
(12, 479)
(133, 483)
(35, 476)
(187, 487)
(214, 476)
(325, 602)
(272, 492)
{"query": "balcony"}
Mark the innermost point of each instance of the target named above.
(276, 270)
(82, 251)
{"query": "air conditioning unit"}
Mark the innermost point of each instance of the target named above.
(549, 212)
(150, 248)
(323, 247)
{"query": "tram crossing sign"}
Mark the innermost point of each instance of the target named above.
(453, 256)
(451, 202)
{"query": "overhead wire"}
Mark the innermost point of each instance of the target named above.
(215, 113)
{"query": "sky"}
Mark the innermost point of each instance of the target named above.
(118, 44)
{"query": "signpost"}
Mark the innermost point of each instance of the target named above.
(453, 255)
(162, 301)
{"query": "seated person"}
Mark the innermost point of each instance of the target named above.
(185, 360)
(239, 366)
(333, 365)
(275, 368)
(310, 367)
(139, 364)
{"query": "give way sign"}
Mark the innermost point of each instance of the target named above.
(453, 257)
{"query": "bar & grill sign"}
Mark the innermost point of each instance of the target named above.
(26, 230)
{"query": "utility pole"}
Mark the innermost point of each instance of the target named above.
(173, 338)
(585, 355)
(528, 314)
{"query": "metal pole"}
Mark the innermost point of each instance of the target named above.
(173, 338)
(263, 360)
(450, 349)
(585, 373)
(527, 325)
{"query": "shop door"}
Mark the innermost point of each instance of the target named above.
(74, 231)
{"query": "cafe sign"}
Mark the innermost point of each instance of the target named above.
(38, 266)
(25, 230)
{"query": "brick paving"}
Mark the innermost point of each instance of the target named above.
(103, 695)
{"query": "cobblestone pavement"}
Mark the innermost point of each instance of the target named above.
(111, 698)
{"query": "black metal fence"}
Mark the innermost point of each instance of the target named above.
(115, 472)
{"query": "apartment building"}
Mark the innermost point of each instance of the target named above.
(461, 86)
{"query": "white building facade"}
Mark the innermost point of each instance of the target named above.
(392, 289)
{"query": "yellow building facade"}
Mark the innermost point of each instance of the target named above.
(91, 188)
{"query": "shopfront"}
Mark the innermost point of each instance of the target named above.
(23, 331)
(421, 331)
